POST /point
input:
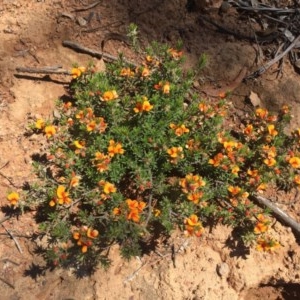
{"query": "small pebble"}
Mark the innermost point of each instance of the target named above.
(223, 269)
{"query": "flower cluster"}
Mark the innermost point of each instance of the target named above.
(135, 209)
(62, 197)
(191, 185)
(84, 237)
(193, 226)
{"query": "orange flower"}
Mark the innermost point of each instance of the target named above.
(195, 197)
(50, 131)
(175, 152)
(134, 215)
(260, 228)
(116, 211)
(297, 179)
(109, 95)
(77, 72)
(108, 187)
(248, 130)
(203, 107)
(179, 130)
(261, 187)
(62, 195)
(75, 181)
(270, 162)
(176, 54)
(92, 233)
(216, 160)
(285, 109)
(295, 162)
(102, 162)
(13, 197)
(234, 190)
(132, 204)
(193, 226)
(126, 72)
(115, 148)
(266, 244)
(262, 113)
(91, 126)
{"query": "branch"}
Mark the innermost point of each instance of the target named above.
(278, 213)
(98, 54)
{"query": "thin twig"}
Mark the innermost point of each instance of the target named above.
(265, 67)
(8, 283)
(5, 219)
(278, 213)
(14, 239)
(87, 7)
(98, 54)
(44, 70)
(4, 165)
(9, 180)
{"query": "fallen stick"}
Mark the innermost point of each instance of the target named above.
(45, 70)
(13, 238)
(265, 67)
(87, 7)
(278, 213)
(97, 54)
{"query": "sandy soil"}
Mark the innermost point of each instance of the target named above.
(31, 34)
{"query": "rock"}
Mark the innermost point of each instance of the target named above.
(223, 270)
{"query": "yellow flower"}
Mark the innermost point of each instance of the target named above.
(143, 106)
(295, 162)
(109, 188)
(78, 144)
(271, 130)
(39, 124)
(109, 95)
(234, 190)
(235, 170)
(13, 197)
(145, 72)
(50, 131)
(166, 88)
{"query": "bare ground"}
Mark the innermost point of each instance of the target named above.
(31, 35)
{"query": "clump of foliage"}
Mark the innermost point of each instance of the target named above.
(135, 150)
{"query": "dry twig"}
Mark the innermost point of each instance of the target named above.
(98, 54)
(278, 213)
(14, 239)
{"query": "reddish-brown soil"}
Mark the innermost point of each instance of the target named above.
(31, 35)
